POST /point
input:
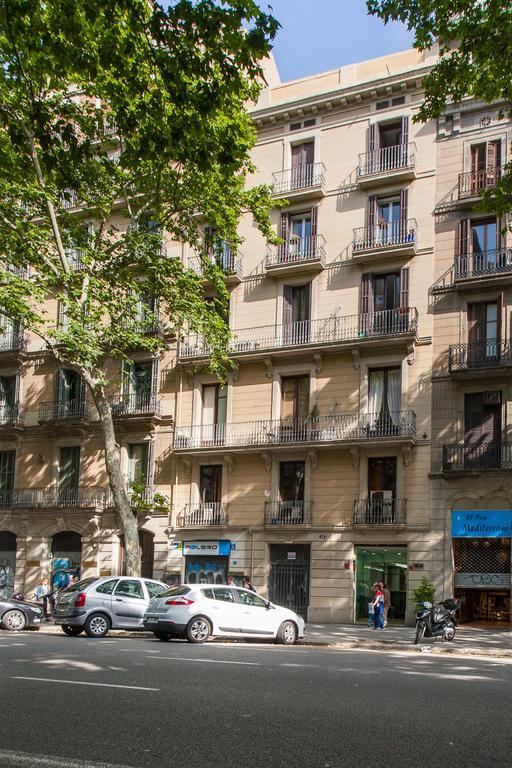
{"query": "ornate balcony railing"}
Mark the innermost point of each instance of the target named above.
(13, 341)
(379, 511)
(301, 177)
(143, 493)
(69, 199)
(296, 250)
(288, 513)
(479, 355)
(391, 322)
(325, 429)
(10, 414)
(229, 263)
(497, 261)
(61, 410)
(81, 497)
(203, 515)
(400, 156)
(482, 456)
(149, 324)
(138, 404)
(474, 182)
(392, 234)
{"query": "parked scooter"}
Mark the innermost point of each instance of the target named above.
(437, 621)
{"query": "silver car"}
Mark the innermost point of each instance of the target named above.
(96, 605)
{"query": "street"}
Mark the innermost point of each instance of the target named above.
(139, 703)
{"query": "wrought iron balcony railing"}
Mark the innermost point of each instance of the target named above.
(387, 159)
(296, 250)
(61, 410)
(10, 415)
(203, 515)
(480, 456)
(326, 429)
(144, 494)
(497, 261)
(301, 177)
(473, 183)
(479, 355)
(288, 512)
(81, 497)
(390, 234)
(330, 330)
(137, 404)
(379, 511)
(229, 263)
(13, 341)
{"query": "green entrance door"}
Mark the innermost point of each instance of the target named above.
(387, 564)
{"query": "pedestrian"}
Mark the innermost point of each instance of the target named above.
(43, 594)
(231, 582)
(73, 580)
(246, 584)
(378, 606)
(370, 612)
(387, 604)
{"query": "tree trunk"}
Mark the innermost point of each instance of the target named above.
(117, 484)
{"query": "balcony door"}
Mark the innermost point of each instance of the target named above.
(138, 384)
(214, 413)
(485, 164)
(138, 463)
(210, 483)
(303, 158)
(296, 313)
(7, 397)
(69, 472)
(294, 398)
(7, 459)
(381, 489)
(69, 393)
(483, 332)
(384, 400)
(290, 507)
(482, 430)
(301, 244)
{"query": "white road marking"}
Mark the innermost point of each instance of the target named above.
(204, 661)
(82, 682)
(25, 759)
(11, 645)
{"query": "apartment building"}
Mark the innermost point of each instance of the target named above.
(472, 363)
(308, 470)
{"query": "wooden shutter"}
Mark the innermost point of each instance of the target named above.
(296, 155)
(150, 467)
(464, 237)
(125, 378)
(404, 287)
(405, 131)
(373, 138)
(476, 322)
(209, 240)
(499, 236)
(308, 153)
(492, 162)
(373, 210)
(285, 234)
(404, 196)
(314, 222)
(287, 304)
(58, 385)
(366, 296)
(81, 389)
(17, 386)
(154, 377)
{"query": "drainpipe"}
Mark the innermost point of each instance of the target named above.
(251, 531)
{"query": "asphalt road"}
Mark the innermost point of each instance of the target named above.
(139, 703)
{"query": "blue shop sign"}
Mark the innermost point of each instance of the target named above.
(482, 523)
(216, 548)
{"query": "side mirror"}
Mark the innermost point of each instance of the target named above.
(268, 605)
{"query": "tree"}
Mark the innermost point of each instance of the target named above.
(475, 39)
(425, 591)
(120, 121)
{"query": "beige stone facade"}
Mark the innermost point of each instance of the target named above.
(309, 471)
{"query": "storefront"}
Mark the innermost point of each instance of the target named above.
(386, 564)
(482, 563)
(206, 562)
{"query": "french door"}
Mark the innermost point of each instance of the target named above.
(213, 429)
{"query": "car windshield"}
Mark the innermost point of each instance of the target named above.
(175, 591)
(79, 585)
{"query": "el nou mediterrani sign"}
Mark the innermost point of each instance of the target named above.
(482, 524)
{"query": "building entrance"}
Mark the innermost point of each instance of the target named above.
(288, 583)
(386, 564)
(482, 578)
(484, 606)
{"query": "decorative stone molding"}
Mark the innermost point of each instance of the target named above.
(356, 360)
(267, 460)
(318, 362)
(229, 462)
(313, 459)
(410, 354)
(406, 455)
(269, 365)
(356, 457)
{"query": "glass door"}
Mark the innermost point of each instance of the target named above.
(213, 429)
(386, 564)
(301, 246)
(389, 222)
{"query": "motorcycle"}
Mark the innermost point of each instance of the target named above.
(437, 621)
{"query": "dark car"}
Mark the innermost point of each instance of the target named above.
(19, 614)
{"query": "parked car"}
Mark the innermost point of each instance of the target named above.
(200, 611)
(19, 614)
(96, 605)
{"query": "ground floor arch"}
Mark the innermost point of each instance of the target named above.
(66, 549)
(8, 548)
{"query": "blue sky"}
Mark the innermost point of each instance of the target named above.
(317, 35)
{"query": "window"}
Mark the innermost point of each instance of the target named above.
(218, 250)
(78, 586)
(138, 463)
(294, 397)
(384, 394)
(296, 303)
(483, 330)
(107, 587)
(62, 316)
(208, 593)
(249, 598)
(175, 591)
(482, 430)
(291, 480)
(303, 158)
(69, 394)
(154, 589)
(69, 469)
(138, 379)
(299, 232)
(8, 397)
(382, 477)
(224, 594)
(130, 588)
(210, 483)
(7, 459)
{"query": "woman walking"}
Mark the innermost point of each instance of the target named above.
(378, 606)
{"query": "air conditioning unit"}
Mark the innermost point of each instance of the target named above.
(491, 398)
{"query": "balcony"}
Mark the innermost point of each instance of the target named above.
(287, 513)
(483, 268)
(137, 405)
(75, 410)
(389, 164)
(145, 495)
(396, 238)
(480, 356)
(379, 511)
(229, 263)
(476, 458)
(13, 341)
(298, 254)
(300, 183)
(49, 498)
(10, 416)
(472, 184)
(331, 333)
(344, 429)
(211, 514)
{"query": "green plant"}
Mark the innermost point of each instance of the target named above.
(425, 591)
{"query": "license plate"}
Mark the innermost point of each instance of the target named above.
(36, 621)
(151, 620)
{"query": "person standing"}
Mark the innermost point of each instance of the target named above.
(378, 606)
(43, 594)
(246, 584)
(387, 604)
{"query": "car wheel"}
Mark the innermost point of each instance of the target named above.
(198, 630)
(287, 633)
(97, 625)
(14, 620)
(163, 636)
(71, 631)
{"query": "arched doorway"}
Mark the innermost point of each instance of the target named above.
(147, 554)
(66, 557)
(7, 563)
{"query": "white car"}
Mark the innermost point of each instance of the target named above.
(200, 611)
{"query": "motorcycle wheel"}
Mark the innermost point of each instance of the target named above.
(420, 633)
(449, 631)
